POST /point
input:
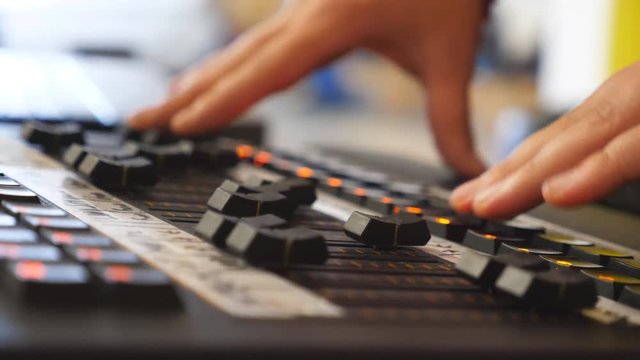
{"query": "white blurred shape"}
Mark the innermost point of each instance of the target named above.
(575, 51)
(173, 32)
(518, 27)
(512, 126)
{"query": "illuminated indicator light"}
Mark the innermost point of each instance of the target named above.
(89, 254)
(396, 210)
(262, 158)
(444, 221)
(31, 270)
(413, 210)
(244, 151)
(606, 277)
(304, 172)
(62, 237)
(489, 236)
(359, 192)
(119, 273)
(334, 182)
(563, 262)
(386, 200)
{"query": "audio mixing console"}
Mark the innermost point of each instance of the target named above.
(116, 244)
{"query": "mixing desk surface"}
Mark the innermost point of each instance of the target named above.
(116, 244)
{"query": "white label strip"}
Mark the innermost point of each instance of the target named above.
(220, 279)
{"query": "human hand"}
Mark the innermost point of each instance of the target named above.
(432, 39)
(581, 157)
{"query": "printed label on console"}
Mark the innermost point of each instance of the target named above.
(220, 279)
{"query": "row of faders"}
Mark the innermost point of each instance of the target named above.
(370, 264)
(538, 268)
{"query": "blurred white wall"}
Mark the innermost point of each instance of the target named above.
(571, 38)
(575, 50)
(172, 32)
(517, 24)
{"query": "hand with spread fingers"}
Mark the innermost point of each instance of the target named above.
(434, 40)
(581, 157)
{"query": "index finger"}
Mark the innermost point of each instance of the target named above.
(448, 61)
(448, 115)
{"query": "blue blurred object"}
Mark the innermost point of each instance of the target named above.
(328, 87)
(513, 125)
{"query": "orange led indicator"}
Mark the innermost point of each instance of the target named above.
(413, 210)
(386, 200)
(359, 192)
(244, 151)
(262, 158)
(334, 182)
(606, 278)
(304, 172)
(119, 273)
(444, 221)
(489, 236)
(91, 254)
(396, 210)
(563, 263)
(63, 237)
(31, 270)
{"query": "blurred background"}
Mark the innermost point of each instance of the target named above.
(538, 59)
